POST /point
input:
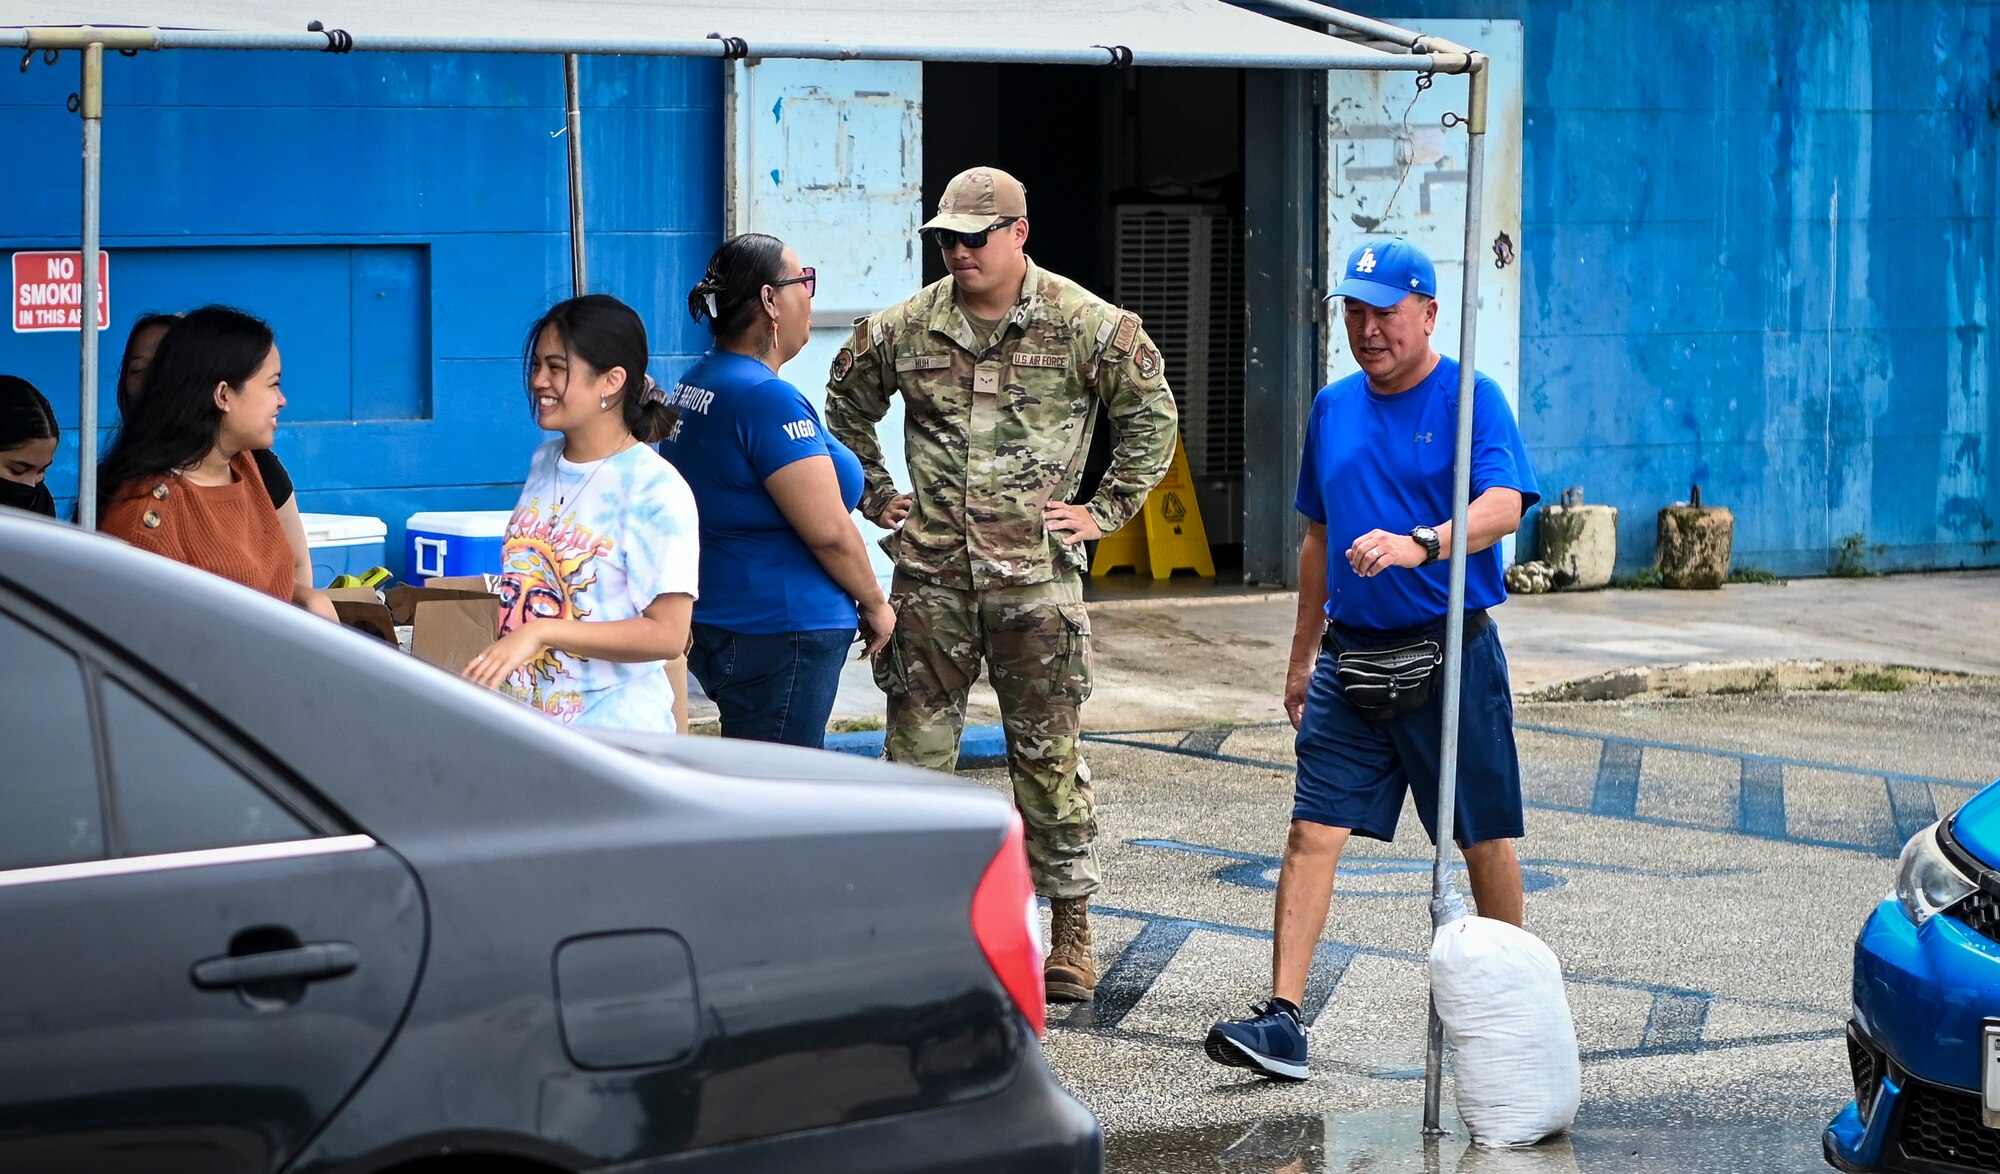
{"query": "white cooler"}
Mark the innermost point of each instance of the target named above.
(344, 544)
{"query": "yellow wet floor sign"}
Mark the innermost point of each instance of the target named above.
(1167, 536)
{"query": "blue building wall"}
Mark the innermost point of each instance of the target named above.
(1757, 247)
(399, 220)
(1758, 250)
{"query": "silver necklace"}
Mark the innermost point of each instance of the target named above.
(555, 474)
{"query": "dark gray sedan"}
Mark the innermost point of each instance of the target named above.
(275, 896)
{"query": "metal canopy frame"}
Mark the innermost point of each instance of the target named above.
(1411, 52)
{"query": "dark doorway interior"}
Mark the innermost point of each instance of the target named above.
(1135, 190)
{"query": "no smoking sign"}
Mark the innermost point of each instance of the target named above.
(48, 291)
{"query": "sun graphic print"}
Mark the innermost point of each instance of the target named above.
(547, 574)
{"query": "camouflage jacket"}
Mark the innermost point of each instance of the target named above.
(993, 436)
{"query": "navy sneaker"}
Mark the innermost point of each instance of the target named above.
(1271, 1041)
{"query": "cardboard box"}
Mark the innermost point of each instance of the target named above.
(451, 620)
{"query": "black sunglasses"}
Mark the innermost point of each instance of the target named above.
(944, 238)
(808, 277)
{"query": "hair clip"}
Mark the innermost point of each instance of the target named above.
(709, 298)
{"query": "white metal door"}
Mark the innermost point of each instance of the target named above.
(1394, 169)
(828, 157)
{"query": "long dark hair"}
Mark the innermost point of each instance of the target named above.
(25, 413)
(175, 421)
(146, 322)
(736, 277)
(607, 333)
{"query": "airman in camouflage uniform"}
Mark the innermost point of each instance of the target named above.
(998, 420)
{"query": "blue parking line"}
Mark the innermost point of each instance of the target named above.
(1760, 799)
(1252, 871)
(1264, 935)
(980, 747)
(1329, 966)
(1617, 790)
(1137, 967)
(1676, 1022)
(1874, 849)
(1914, 808)
(1745, 755)
(1206, 739)
(1677, 1019)
(1212, 756)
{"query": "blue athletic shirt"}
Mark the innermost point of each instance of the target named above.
(1376, 461)
(739, 424)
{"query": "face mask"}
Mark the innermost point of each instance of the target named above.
(36, 499)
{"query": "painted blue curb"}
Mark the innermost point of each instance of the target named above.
(979, 748)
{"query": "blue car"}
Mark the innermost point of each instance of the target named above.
(1924, 1041)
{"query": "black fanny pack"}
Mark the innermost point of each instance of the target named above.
(1393, 673)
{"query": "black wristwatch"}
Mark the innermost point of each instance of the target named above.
(1428, 539)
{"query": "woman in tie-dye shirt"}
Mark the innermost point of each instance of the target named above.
(599, 574)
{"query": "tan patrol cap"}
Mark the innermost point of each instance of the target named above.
(975, 199)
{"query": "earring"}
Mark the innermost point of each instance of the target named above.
(602, 403)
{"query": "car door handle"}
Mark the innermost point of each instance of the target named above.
(307, 963)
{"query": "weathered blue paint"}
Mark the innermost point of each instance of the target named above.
(399, 219)
(1757, 242)
(1758, 253)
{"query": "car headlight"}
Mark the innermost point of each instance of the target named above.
(1926, 881)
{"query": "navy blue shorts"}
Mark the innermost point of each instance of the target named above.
(1353, 772)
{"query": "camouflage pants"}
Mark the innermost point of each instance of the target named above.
(1035, 641)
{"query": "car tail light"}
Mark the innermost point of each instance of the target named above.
(1004, 922)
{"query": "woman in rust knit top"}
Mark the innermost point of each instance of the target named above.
(185, 482)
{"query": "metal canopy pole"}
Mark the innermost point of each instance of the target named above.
(92, 109)
(1442, 59)
(573, 108)
(1342, 19)
(1461, 494)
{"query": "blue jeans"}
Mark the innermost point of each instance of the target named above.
(775, 687)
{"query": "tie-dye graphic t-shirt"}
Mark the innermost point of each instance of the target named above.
(597, 542)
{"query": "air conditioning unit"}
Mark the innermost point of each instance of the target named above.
(1180, 267)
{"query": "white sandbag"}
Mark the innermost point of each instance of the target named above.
(1553, 1156)
(1499, 994)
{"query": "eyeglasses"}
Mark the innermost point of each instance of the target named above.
(945, 238)
(808, 277)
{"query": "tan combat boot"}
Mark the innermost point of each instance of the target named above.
(1070, 973)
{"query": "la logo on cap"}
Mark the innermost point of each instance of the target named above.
(1367, 262)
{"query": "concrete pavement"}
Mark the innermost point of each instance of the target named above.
(1699, 866)
(1217, 657)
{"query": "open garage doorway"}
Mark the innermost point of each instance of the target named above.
(1136, 186)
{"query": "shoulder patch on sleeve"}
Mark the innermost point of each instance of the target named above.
(1126, 334)
(842, 364)
(1147, 362)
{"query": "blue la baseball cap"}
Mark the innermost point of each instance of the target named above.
(1385, 272)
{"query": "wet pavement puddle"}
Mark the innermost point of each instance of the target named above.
(1623, 1140)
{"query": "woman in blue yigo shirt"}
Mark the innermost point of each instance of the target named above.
(783, 568)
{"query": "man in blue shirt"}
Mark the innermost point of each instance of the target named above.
(1375, 485)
